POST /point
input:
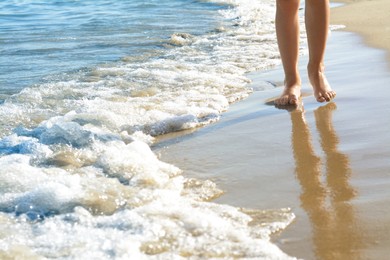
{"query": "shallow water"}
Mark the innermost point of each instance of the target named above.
(40, 39)
(86, 86)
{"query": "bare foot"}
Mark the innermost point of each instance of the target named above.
(322, 90)
(290, 95)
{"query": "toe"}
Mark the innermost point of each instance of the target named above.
(283, 101)
(279, 101)
(293, 100)
(321, 99)
(330, 95)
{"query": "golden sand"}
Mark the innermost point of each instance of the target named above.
(370, 18)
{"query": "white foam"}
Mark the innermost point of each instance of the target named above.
(143, 199)
(183, 88)
(76, 157)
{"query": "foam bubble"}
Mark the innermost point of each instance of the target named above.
(76, 157)
(120, 194)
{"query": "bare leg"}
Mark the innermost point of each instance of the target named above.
(317, 25)
(287, 32)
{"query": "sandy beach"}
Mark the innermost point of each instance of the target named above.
(328, 163)
(369, 18)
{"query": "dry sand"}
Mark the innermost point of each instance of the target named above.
(370, 18)
(330, 163)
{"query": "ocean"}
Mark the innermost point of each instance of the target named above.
(85, 89)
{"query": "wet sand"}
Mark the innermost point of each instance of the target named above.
(329, 163)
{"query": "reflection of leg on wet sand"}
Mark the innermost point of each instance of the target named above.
(308, 172)
(334, 230)
(337, 163)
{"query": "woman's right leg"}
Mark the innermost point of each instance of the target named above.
(287, 32)
(317, 25)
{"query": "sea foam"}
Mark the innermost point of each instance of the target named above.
(78, 178)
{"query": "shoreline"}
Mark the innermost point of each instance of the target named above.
(250, 154)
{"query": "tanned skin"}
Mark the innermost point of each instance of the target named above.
(287, 31)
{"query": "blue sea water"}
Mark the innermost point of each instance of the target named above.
(85, 87)
(41, 39)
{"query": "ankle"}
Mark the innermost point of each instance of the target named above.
(292, 82)
(315, 67)
(292, 78)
